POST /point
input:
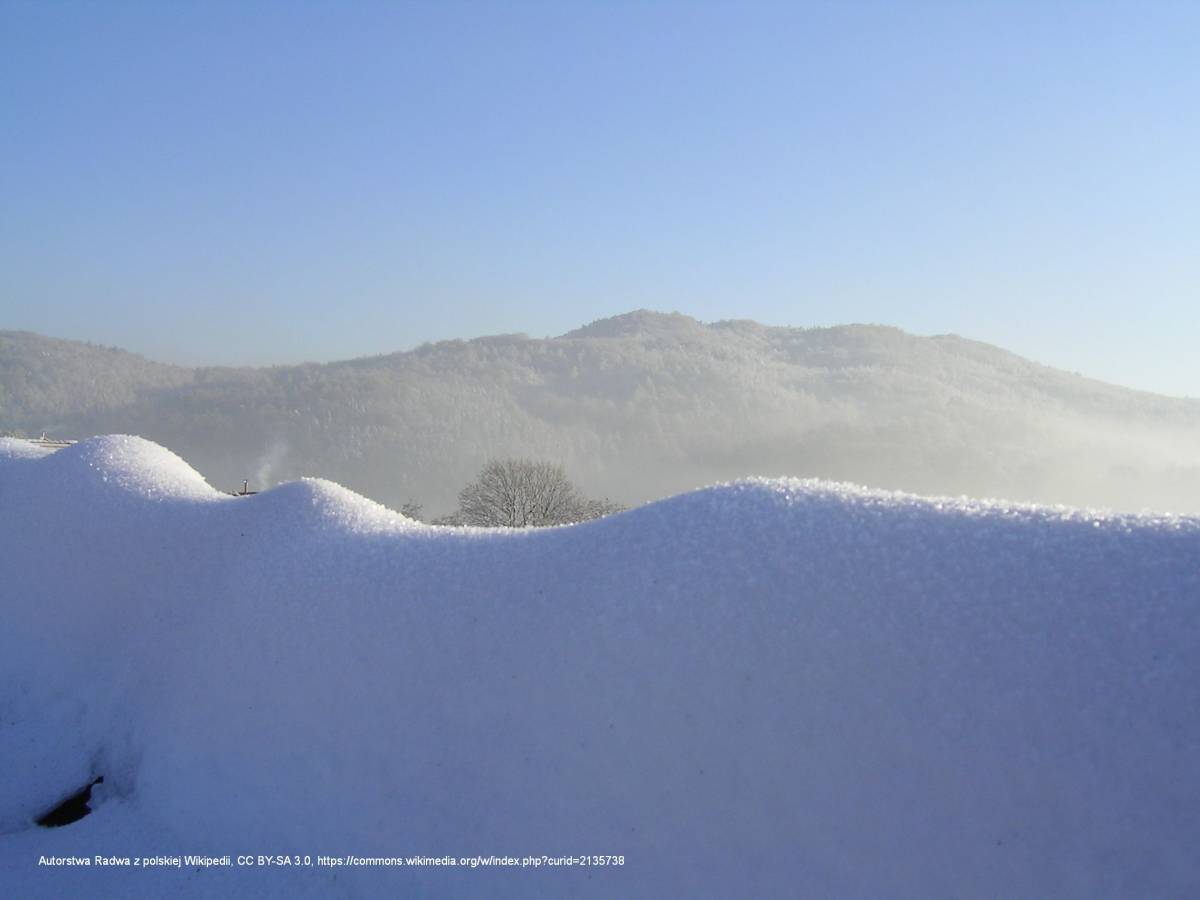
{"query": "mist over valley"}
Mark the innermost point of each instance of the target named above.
(635, 407)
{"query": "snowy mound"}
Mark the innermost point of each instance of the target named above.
(127, 465)
(771, 688)
(16, 448)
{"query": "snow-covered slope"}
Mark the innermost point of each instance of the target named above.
(771, 688)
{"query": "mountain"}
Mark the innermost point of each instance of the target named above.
(638, 406)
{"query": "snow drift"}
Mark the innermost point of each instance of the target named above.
(770, 688)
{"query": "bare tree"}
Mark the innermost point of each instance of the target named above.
(518, 493)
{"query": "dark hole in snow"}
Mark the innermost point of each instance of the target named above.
(72, 809)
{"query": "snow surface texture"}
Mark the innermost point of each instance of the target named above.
(770, 688)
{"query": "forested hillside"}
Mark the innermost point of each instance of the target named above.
(45, 382)
(636, 407)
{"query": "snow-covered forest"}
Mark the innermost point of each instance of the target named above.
(636, 407)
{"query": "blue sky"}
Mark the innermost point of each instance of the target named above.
(271, 182)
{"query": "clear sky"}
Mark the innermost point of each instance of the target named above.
(270, 182)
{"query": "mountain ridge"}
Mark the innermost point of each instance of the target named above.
(637, 406)
(612, 326)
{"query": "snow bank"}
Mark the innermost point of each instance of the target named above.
(771, 688)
